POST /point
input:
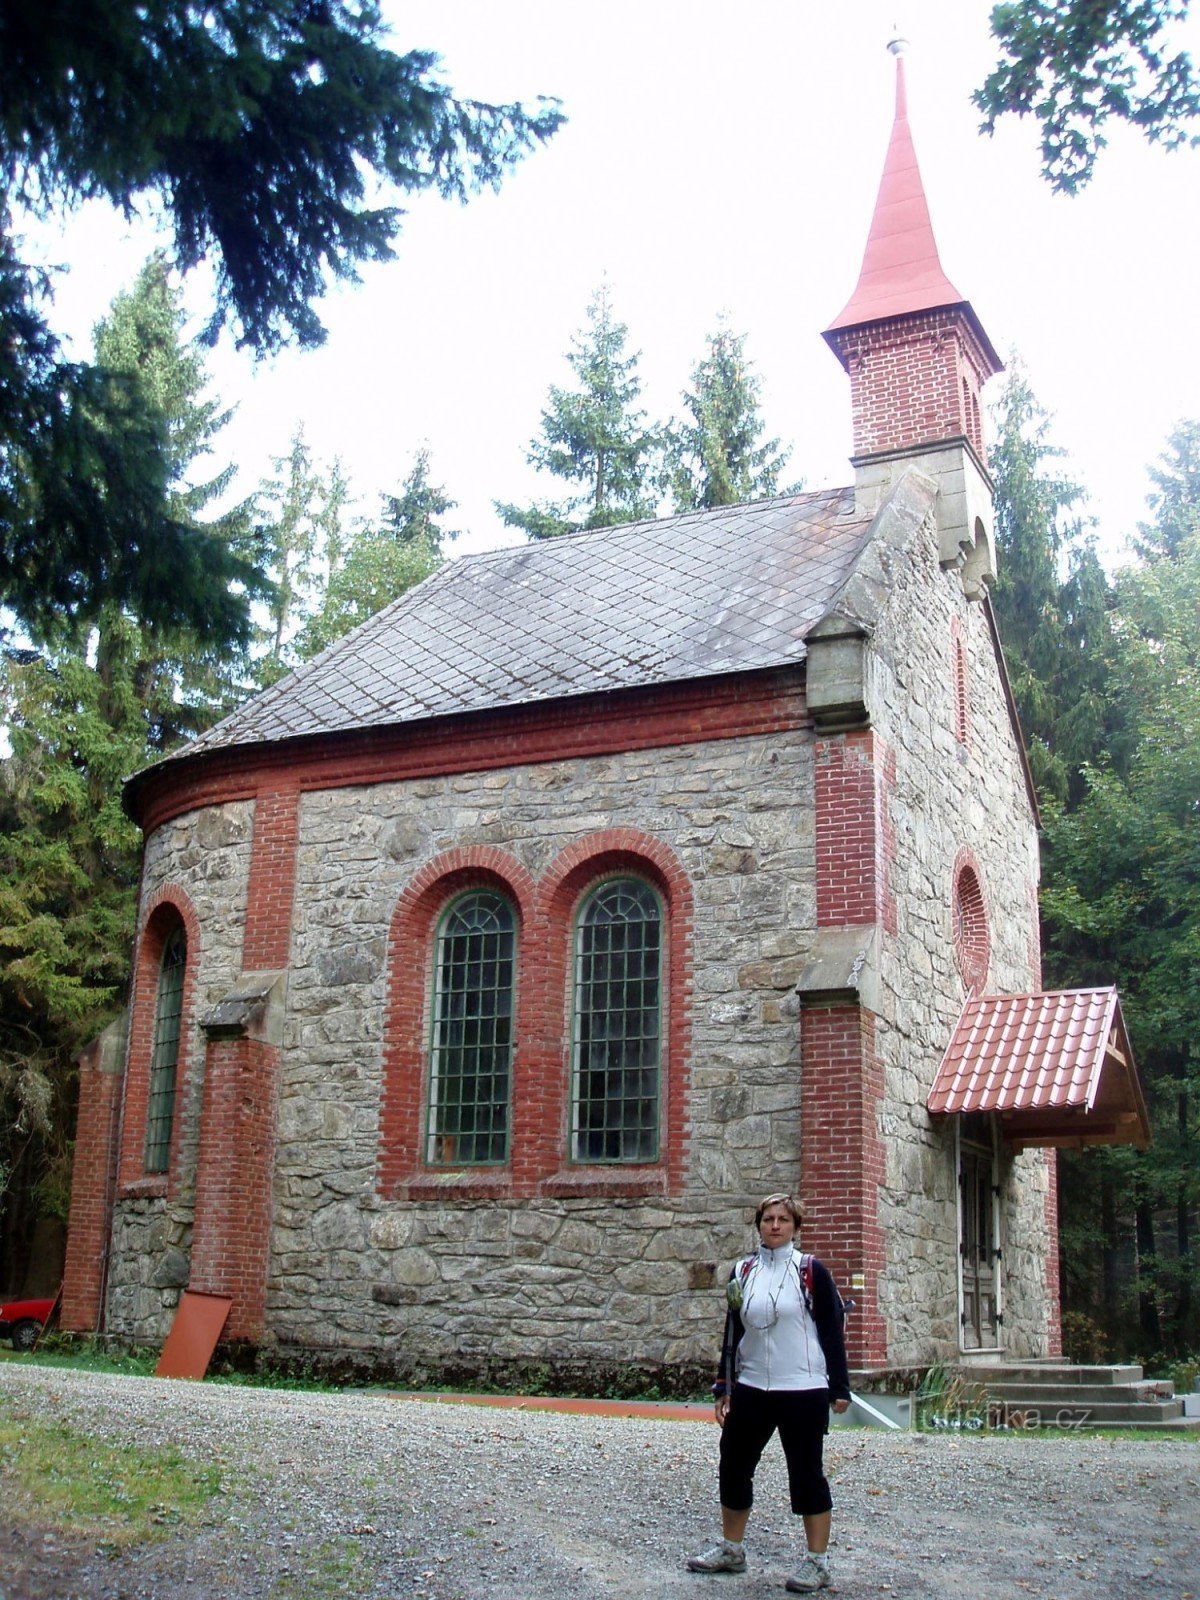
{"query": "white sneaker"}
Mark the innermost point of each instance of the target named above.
(721, 1558)
(810, 1576)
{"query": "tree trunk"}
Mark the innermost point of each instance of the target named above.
(1148, 1321)
(1184, 1332)
(1109, 1316)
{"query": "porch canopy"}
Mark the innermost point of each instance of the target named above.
(1055, 1069)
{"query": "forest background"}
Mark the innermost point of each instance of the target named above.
(143, 601)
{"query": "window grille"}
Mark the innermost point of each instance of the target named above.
(168, 1015)
(471, 1050)
(618, 1004)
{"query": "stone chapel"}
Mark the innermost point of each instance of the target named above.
(490, 967)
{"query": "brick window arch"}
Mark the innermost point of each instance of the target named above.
(164, 1057)
(471, 1032)
(161, 1046)
(969, 924)
(417, 1143)
(560, 1159)
(616, 1031)
(961, 684)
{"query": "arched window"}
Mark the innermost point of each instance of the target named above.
(470, 1054)
(168, 1015)
(617, 1024)
(969, 927)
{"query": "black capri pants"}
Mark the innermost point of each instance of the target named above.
(802, 1417)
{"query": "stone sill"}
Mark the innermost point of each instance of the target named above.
(144, 1189)
(611, 1184)
(456, 1186)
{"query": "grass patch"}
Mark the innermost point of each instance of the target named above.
(54, 1476)
(334, 1568)
(78, 1354)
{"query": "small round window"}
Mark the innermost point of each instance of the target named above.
(972, 942)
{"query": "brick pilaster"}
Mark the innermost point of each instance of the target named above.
(97, 1130)
(236, 1160)
(231, 1236)
(842, 1162)
(855, 838)
(268, 938)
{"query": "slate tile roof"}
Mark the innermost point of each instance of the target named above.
(1056, 1053)
(683, 597)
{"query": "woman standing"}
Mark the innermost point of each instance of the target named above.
(783, 1364)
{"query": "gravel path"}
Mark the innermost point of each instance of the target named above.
(370, 1496)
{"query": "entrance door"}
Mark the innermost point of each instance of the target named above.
(978, 1236)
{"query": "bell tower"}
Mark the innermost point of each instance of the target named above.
(917, 357)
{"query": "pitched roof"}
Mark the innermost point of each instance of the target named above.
(1056, 1067)
(685, 597)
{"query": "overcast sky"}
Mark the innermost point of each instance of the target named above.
(716, 158)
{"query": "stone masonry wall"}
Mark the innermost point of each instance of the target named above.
(949, 797)
(206, 855)
(589, 1278)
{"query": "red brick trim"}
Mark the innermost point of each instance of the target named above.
(542, 1056)
(855, 836)
(969, 922)
(401, 1172)
(266, 946)
(97, 1129)
(232, 1233)
(843, 1164)
(576, 870)
(1053, 1260)
(735, 706)
(960, 683)
(168, 906)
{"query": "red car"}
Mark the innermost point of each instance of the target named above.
(22, 1320)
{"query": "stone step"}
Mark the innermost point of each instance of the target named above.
(1096, 1414)
(1048, 1372)
(1078, 1394)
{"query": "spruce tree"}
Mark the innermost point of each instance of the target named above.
(272, 137)
(297, 514)
(718, 456)
(1052, 599)
(92, 704)
(593, 436)
(1122, 905)
(379, 563)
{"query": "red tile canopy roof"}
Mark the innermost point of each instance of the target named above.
(1056, 1069)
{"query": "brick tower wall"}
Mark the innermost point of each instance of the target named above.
(914, 380)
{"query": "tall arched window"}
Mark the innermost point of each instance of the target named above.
(168, 1015)
(470, 1055)
(618, 1024)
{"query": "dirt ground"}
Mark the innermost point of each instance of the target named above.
(371, 1496)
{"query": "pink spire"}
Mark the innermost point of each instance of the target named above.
(901, 270)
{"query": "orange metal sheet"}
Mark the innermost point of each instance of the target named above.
(194, 1334)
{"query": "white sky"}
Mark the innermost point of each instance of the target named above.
(716, 157)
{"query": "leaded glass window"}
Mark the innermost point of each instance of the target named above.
(471, 1051)
(164, 1058)
(618, 1005)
